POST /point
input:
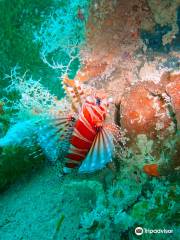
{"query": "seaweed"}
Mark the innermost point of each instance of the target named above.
(58, 226)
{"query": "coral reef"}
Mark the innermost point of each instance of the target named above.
(119, 48)
(144, 113)
(83, 209)
(165, 14)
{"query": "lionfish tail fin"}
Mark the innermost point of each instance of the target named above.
(100, 154)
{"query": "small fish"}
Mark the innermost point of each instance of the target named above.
(92, 140)
(151, 170)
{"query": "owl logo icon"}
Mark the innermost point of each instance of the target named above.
(139, 231)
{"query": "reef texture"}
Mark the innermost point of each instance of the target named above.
(129, 50)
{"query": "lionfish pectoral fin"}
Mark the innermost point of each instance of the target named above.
(54, 136)
(100, 153)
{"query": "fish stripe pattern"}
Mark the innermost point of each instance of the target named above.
(100, 153)
(85, 131)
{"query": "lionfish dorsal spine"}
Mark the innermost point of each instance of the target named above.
(75, 92)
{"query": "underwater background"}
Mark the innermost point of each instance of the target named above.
(131, 50)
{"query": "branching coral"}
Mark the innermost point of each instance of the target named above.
(62, 33)
(27, 98)
(60, 29)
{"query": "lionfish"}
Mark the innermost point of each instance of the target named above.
(91, 142)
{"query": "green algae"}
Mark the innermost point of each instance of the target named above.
(58, 226)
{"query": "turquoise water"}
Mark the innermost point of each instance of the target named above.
(40, 43)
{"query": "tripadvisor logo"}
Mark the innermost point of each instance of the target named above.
(139, 231)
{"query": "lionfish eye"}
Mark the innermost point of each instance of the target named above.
(73, 119)
(98, 101)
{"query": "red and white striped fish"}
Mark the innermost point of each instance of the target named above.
(91, 142)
